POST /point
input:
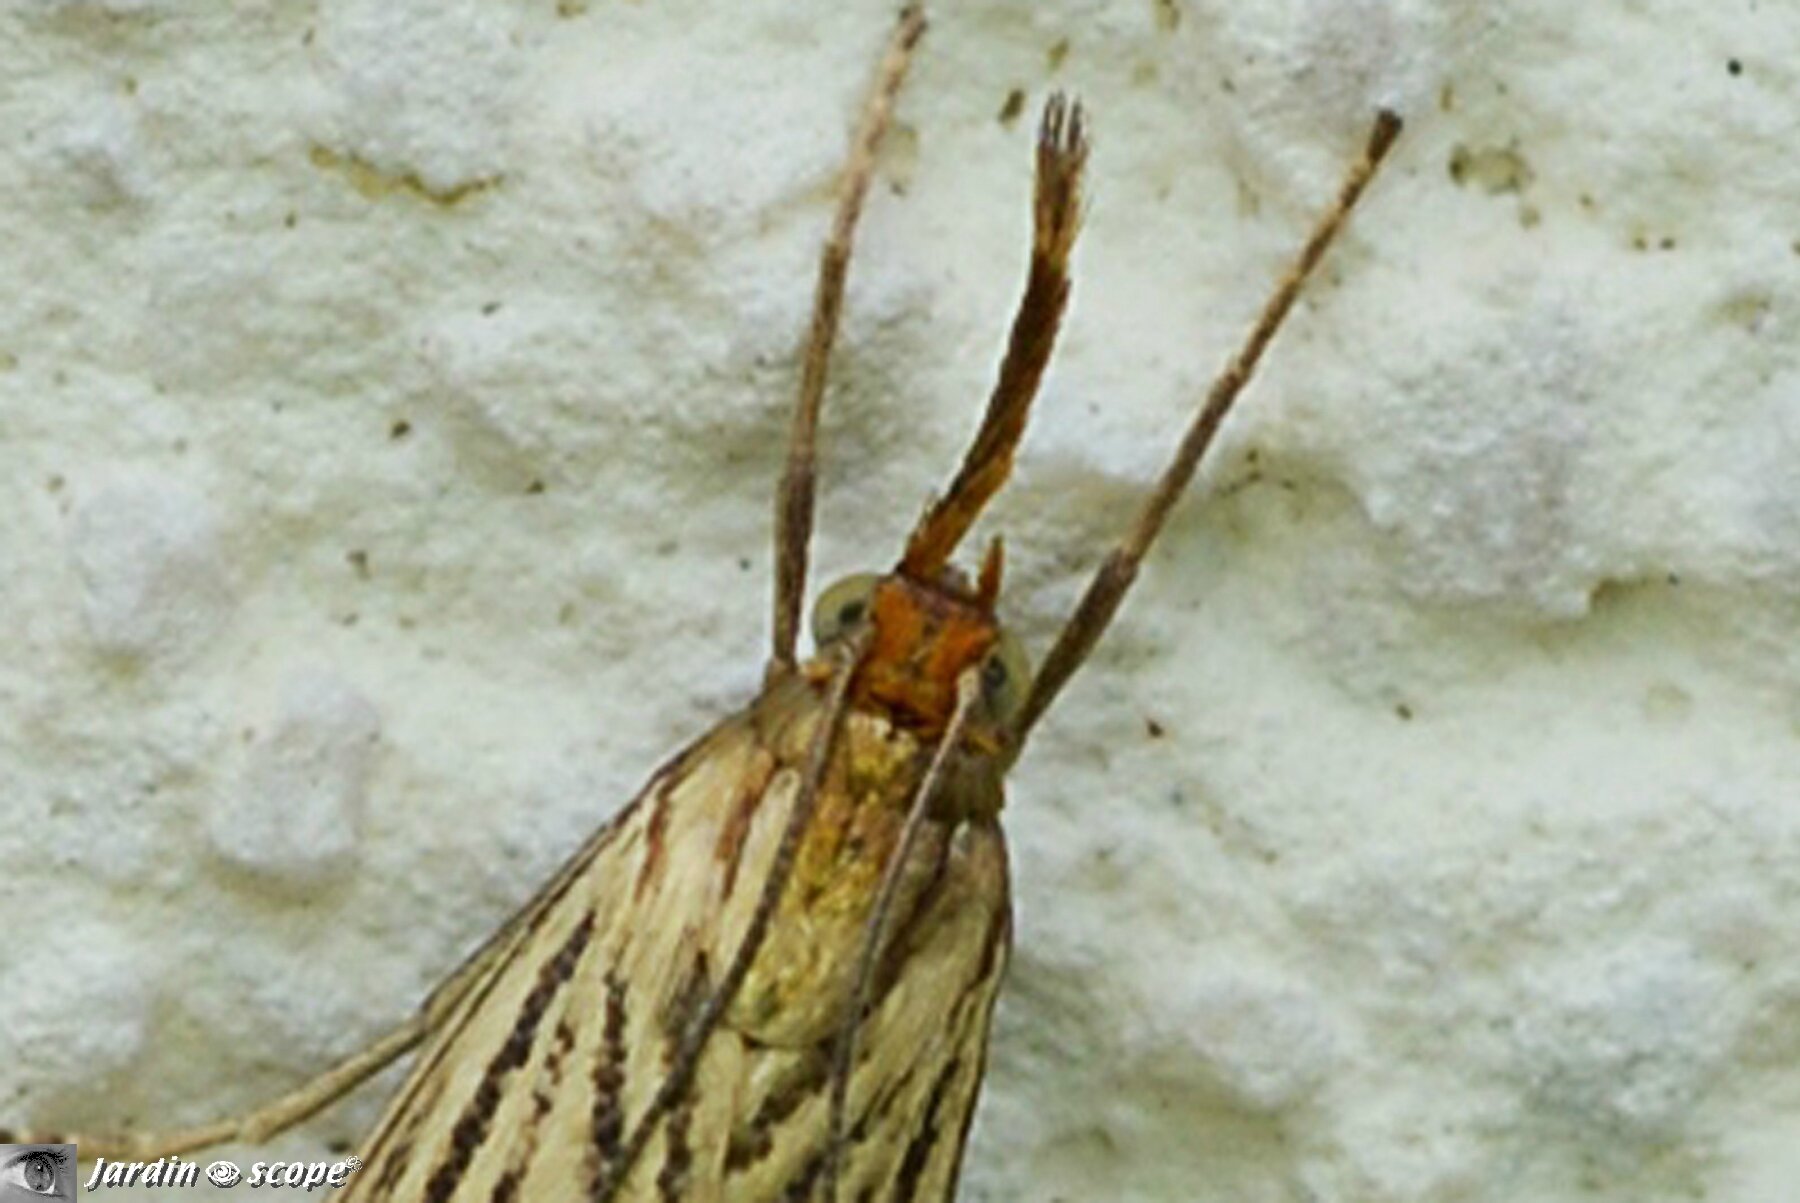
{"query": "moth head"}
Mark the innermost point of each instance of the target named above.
(921, 637)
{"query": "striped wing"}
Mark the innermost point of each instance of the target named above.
(535, 1076)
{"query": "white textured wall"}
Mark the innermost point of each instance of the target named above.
(390, 397)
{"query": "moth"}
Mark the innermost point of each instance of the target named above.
(770, 976)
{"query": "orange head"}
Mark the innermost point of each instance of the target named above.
(922, 636)
(921, 639)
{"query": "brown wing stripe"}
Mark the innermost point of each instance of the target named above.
(992, 962)
(653, 840)
(918, 1150)
(748, 1146)
(736, 829)
(678, 1159)
(472, 1126)
(609, 1085)
(397, 1159)
(755, 1140)
(881, 1106)
(678, 1151)
(506, 1189)
(800, 1189)
(543, 1098)
(560, 1048)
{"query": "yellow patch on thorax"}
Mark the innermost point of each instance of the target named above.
(802, 976)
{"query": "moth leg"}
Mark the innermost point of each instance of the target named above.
(1062, 152)
(843, 1053)
(699, 1029)
(794, 497)
(1109, 585)
(256, 1126)
(309, 1098)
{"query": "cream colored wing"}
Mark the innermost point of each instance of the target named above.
(922, 1056)
(533, 1080)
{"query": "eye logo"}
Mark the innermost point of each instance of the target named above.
(37, 1171)
(223, 1173)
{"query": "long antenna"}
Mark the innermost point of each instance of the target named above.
(1108, 588)
(794, 496)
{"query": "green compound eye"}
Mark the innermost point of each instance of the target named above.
(843, 607)
(1004, 677)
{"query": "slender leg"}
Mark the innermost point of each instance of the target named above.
(794, 497)
(686, 1061)
(306, 1100)
(1110, 583)
(843, 1054)
(1056, 217)
(257, 1126)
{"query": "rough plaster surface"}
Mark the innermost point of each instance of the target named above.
(390, 395)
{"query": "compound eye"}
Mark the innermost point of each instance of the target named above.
(843, 607)
(1004, 677)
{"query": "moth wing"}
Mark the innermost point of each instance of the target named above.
(525, 1071)
(922, 1056)
(913, 1149)
(567, 1019)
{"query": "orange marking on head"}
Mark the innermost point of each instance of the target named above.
(993, 566)
(922, 638)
